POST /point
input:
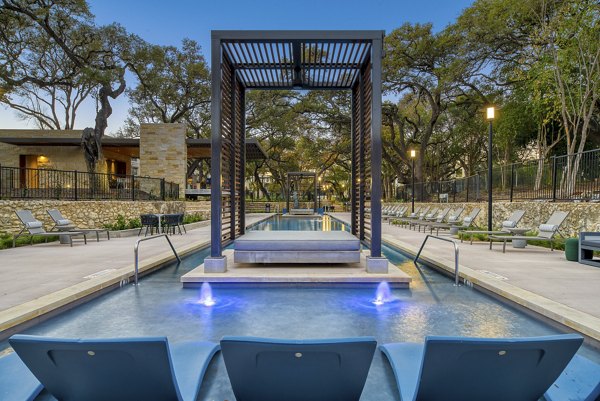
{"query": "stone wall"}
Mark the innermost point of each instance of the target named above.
(163, 153)
(583, 216)
(85, 214)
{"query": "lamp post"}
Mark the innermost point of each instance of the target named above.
(413, 154)
(490, 118)
(319, 193)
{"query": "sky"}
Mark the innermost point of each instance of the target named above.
(168, 22)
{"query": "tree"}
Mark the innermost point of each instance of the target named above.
(94, 52)
(39, 80)
(427, 71)
(173, 86)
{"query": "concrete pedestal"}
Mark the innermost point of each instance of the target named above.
(215, 265)
(377, 265)
(453, 230)
(64, 239)
(519, 243)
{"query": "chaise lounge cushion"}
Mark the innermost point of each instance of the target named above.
(548, 227)
(33, 224)
(63, 222)
(297, 241)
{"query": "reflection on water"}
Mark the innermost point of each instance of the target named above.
(320, 223)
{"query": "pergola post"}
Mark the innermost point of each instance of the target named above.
(215, 150)
(376, 149)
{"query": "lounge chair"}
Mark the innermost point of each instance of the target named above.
(466, 223)
(420, 215)
(475, 369)
(424, 218)
(124, 369)
(580, 381)
(17, 383)
(262, 369)
(511, 222)
(437, 219)
(34, 227)
(546, 232)
(63, 224)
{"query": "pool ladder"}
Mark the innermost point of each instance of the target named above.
(137, 246)
(456, 273)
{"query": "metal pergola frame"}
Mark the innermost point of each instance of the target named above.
(301, 174)
(323, 60)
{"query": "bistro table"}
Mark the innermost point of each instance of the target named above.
(519, 243)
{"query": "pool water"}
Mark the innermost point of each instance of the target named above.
(160, 306)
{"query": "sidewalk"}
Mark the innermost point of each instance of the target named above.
(39, 278)
(534, 277)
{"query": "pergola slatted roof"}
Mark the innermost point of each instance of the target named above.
(332, 60)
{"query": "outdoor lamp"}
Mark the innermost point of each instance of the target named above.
(413, 154)
(490, 112)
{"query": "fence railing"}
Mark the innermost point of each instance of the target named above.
(574, 177)
(32, 183)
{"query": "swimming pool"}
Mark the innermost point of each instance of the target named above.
(160, 306)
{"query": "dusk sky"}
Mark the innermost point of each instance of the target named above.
(167, 23)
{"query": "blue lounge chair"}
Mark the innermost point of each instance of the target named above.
(17, 383)
(124, 369)
(475, 369)
(580, 381)
(262, 369)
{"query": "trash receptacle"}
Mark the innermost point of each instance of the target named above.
(267, 208)
(572, 249)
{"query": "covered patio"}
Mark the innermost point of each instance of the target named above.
(296, 60)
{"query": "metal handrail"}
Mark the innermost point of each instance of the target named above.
(456, 273)
(137, 245)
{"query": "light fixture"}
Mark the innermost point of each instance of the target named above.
(490, 112)
(413, 153)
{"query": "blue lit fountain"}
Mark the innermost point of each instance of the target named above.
(206, 297)
(383, 295)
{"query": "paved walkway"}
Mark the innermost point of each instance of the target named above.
(535, 277)
(28, 273)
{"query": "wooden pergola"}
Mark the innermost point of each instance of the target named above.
(321, 60)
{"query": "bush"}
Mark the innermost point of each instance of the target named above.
(6, 240)
(122, 224)
(193, 218)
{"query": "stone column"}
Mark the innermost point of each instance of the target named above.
(163, 153)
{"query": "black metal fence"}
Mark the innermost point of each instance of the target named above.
(574, 177)
(31, 183)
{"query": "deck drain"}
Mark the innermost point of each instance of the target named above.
(494, 275)
(100, 273)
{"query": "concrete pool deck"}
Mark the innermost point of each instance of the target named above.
(536, 278)
(38, 279)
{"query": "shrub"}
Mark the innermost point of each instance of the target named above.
(6, 240)
(193, 218)
(123, 224)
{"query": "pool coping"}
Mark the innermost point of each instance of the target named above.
(557, 313)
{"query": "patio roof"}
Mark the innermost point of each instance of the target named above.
(297, 59)
(197, 148)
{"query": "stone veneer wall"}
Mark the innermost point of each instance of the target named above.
(163, 153)
(583, 216)
(85, 214)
